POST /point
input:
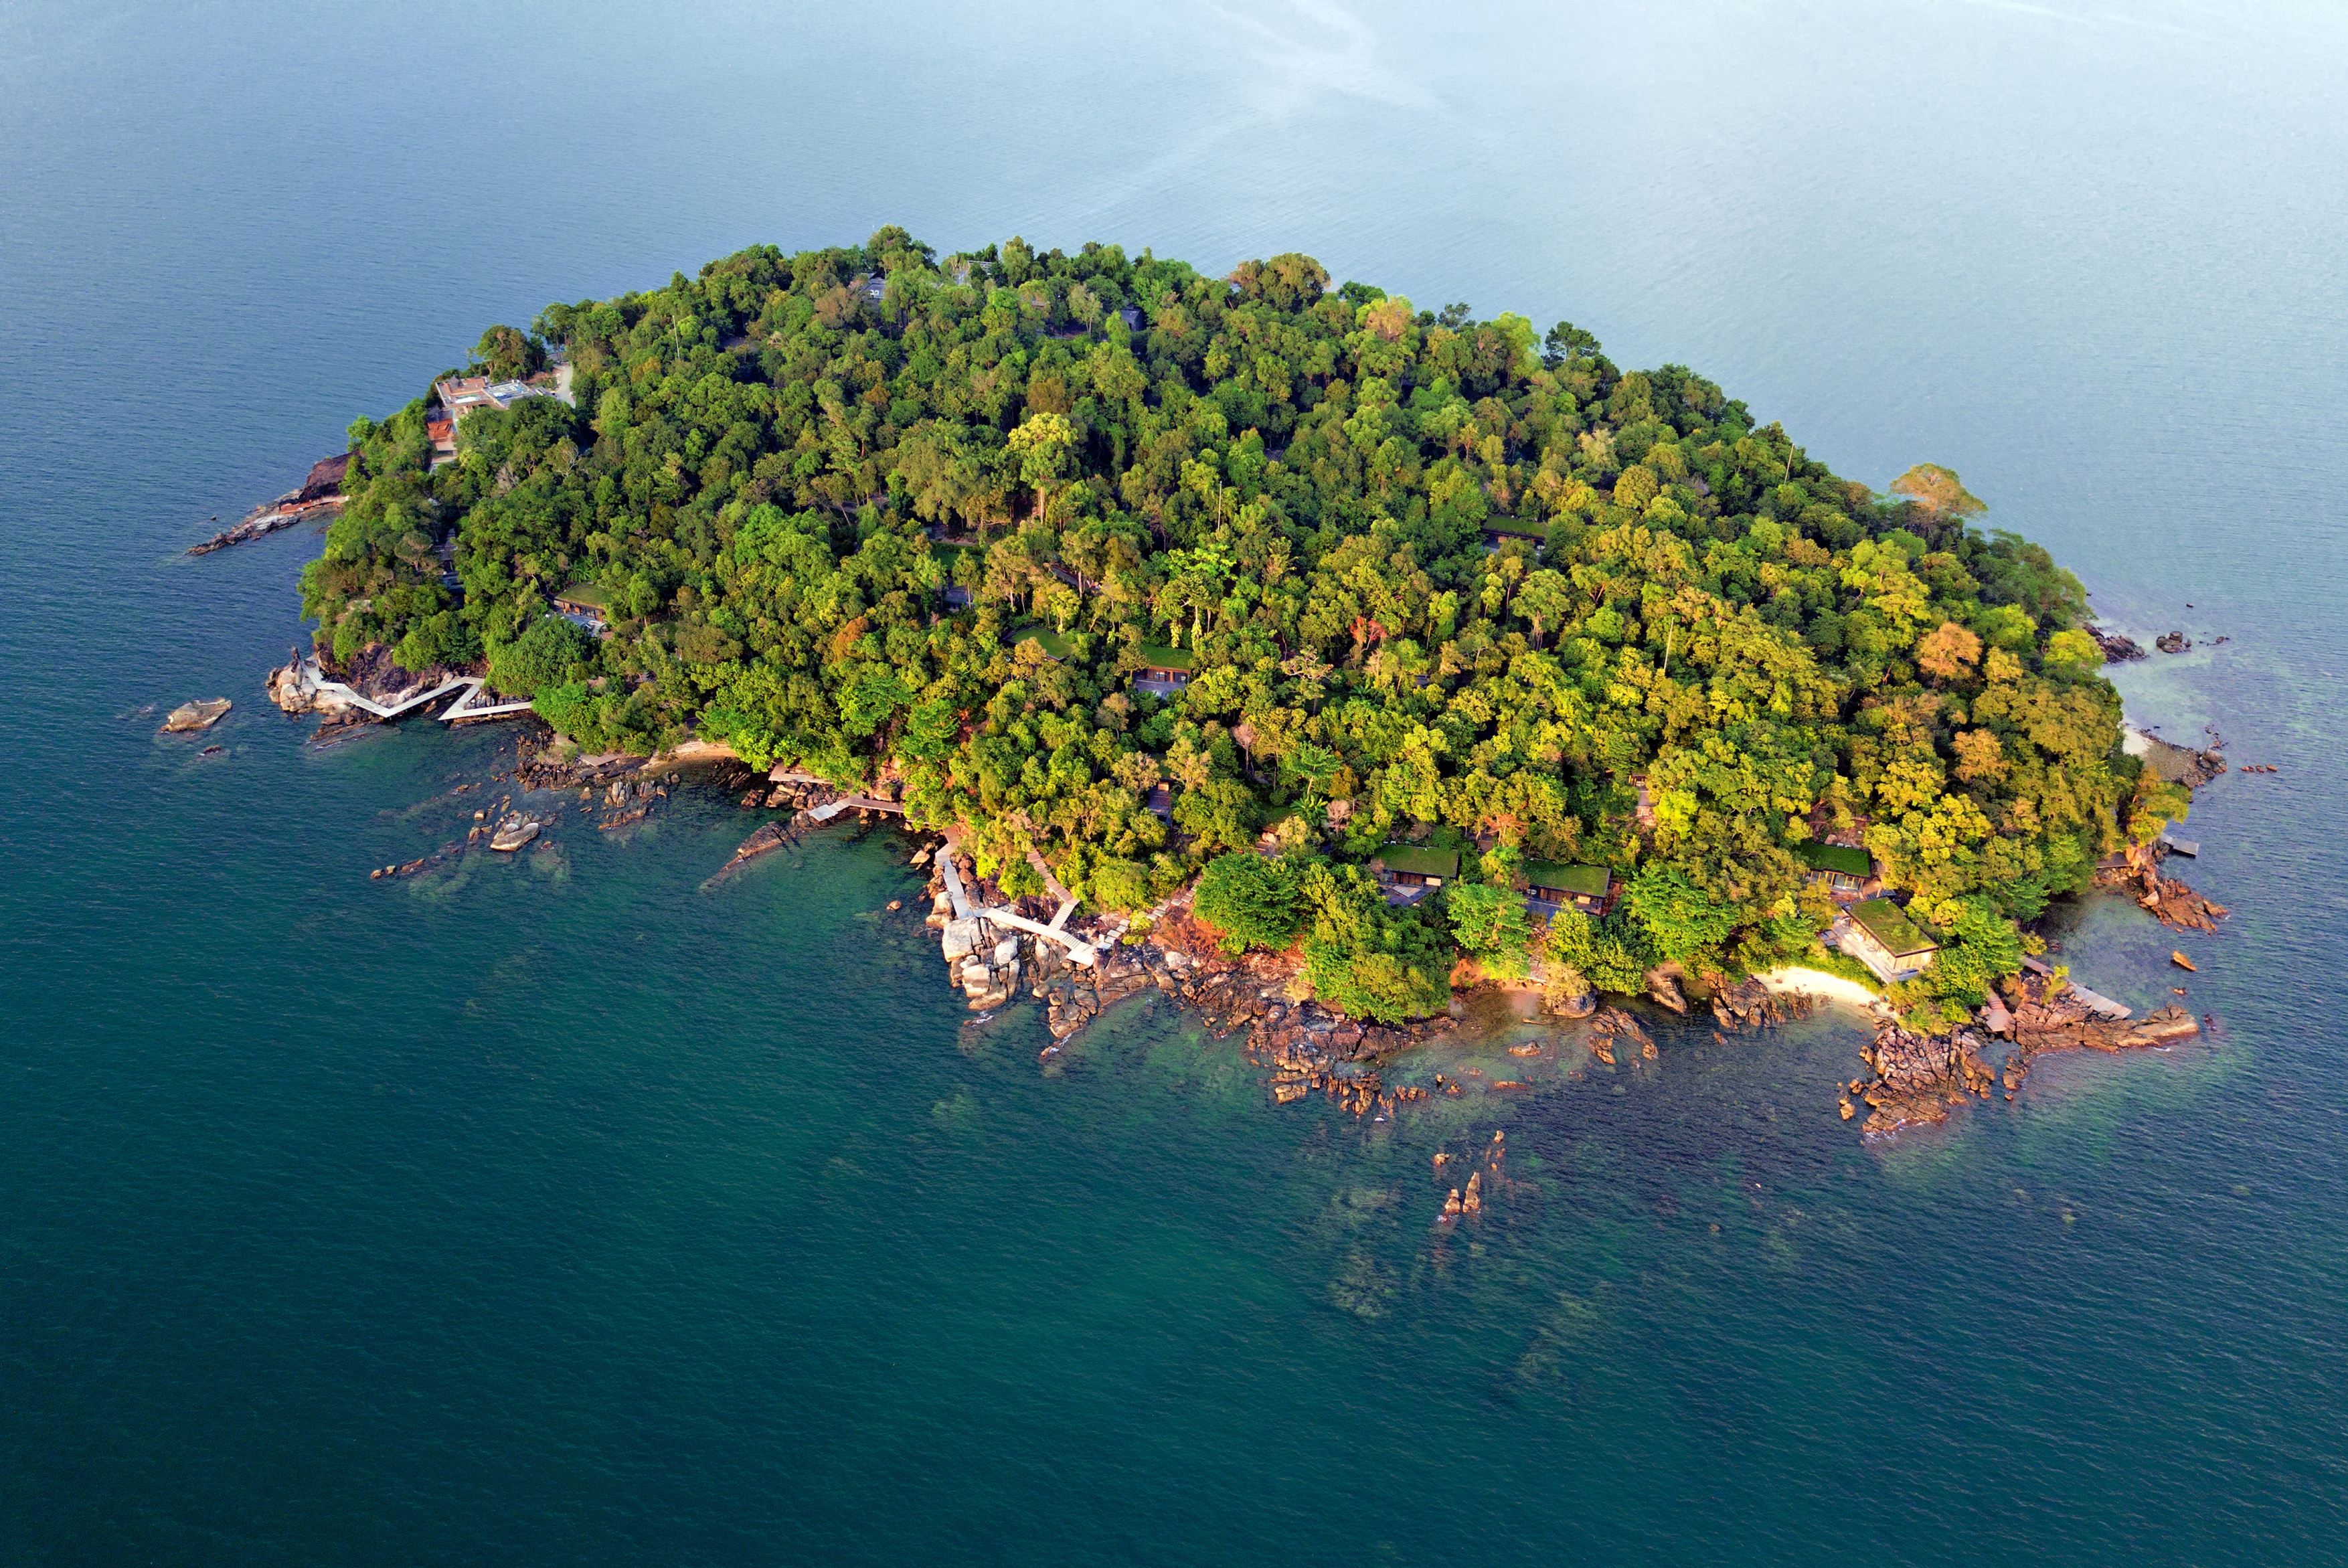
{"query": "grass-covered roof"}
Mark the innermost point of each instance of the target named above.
(1582, 881)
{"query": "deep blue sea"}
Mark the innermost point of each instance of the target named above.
(563, 1211)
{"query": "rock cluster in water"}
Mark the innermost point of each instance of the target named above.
(2116, 648)
(1918, 1078)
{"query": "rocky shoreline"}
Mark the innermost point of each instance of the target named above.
(1301, 1046)
(320, 496)
(1918, 1079)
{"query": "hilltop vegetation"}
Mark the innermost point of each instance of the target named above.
(776, 469)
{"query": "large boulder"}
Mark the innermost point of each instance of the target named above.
(197, 716)
(1568, 994)
(1664, 990)
(962, 937)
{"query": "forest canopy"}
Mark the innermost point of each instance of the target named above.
(1426, 573)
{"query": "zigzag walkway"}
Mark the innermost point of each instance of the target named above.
(464, 708)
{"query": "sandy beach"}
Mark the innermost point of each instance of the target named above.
(1819, 983)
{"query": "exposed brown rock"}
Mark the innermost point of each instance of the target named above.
(1918, 1078)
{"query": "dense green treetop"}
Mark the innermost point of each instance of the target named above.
(1426, 569)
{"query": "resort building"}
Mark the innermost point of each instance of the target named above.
(1878, 934)
(1500, 532)
(1163, 671)
(463, 395)
(1409, 866)
(1846, 871)
(1587, 888)
(585, 605)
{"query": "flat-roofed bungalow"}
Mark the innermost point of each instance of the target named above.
(463, 395)
(1501, 531)
(1409, 865)
(1841, 867)
(1880, 935)
(583, 604)
(1585, 887)
(1164, 671)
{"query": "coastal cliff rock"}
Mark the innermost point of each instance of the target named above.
(320, 497)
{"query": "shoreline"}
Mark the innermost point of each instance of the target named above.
(1790, 978)
(1305, 1047)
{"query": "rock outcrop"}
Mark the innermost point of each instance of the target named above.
(1749, 1004)
(2116, 648)
(1615, 1029)
(1568, 994)
(1663, 990)
(197, 716)
(1917, 1077)
(2166, 899)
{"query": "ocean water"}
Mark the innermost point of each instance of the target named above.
(565, 1211)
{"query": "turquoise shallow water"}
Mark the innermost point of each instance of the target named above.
(562, 1211)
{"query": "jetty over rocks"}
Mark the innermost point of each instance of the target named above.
(301, 687)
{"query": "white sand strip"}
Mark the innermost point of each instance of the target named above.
(1819, 983)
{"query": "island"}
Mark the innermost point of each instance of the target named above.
(1419, 648)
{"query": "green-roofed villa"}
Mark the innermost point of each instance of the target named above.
(1409, 865)
(583, 604)
(1878, 934)
(1556, 882)
(1501, 531)
(1839, 866)
(1164, 671)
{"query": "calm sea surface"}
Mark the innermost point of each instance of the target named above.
(561, 1212)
